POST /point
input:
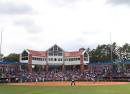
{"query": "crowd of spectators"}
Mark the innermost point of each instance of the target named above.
(55, 75)
(58, 75)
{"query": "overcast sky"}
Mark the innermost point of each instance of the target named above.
(71, 24)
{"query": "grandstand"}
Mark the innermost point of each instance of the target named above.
(54, 57)
(55, 64)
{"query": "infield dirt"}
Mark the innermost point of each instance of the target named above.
(68, 83)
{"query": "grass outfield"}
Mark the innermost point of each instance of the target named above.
(114, 89)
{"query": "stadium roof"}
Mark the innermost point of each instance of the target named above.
(109, 62)
(44, 53)
(38, 53)
(72, 54)
(8, 62)
(105, 62)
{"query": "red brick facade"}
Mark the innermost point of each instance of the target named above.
(81, 63)
(30, 63)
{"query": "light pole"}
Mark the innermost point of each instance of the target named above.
(1, 37)
(111, 48)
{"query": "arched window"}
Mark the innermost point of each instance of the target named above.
(24, 55)
(85, 56)
(55, 51)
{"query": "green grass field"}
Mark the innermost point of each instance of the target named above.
(115, 89)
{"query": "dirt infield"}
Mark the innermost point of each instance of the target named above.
(68, 83)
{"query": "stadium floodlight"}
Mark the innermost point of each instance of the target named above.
(111, 47)
(1, 37)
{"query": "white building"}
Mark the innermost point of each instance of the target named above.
(55, 56)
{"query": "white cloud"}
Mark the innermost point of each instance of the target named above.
(119, 2)
(15, 8)
(29, 25)
(78, 23)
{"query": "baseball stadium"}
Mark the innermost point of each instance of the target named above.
(64, 47)
(56, 71)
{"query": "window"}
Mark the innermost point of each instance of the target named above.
(59, 54)
(40, 59)
(59, 59)
(85, 54)
(50, 54)
(85, 59)
(33, 58)
(24, 58)
(65, 59)
(55, 59)
(55, 54)
(55, 47)
(24, 54)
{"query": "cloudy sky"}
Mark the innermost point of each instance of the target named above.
(39, 24)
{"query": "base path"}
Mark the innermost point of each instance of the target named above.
(68, 83)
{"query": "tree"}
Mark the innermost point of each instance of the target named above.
(103, 53)
(126, 47)
(12, 57)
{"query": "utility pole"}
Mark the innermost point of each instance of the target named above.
(111, 47)
(1, 37)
